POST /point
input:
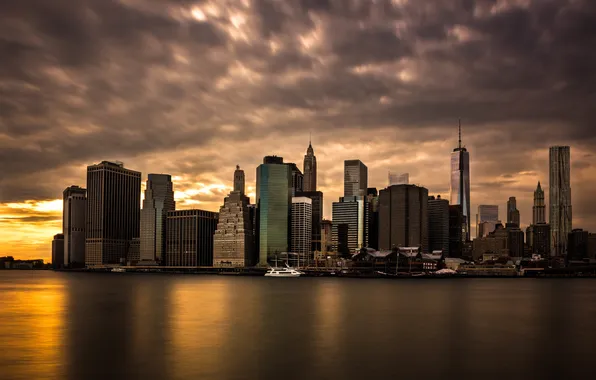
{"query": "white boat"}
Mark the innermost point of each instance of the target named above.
(118, 270)
(283, 272)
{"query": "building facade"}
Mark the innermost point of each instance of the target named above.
(302, 227)
(486, 219)
(578, 244)
(326, 236)
(58, 251)
(74, 212)
(538, 238)
(317, 217)
(560, 198)
(274, 202)
(233, 242)
(348, 230)
(403, 217)
(297, 179)
(310, 169)
(159, 199)
(189, 237)
(113, 212)
(372, 216)
(539, 207)
(438, 225)
(239, 180)
(456, 220)
(355, 178)
(460, 184)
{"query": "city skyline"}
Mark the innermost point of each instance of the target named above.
(191, 107)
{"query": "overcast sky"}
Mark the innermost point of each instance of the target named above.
(193, 88)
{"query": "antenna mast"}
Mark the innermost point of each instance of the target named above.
(459, 141)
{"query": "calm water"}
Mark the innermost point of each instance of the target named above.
(143, 326)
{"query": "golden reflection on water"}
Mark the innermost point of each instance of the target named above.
(32, 318)
(200, 324)
(328, 318)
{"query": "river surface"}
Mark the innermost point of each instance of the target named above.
(83, 326)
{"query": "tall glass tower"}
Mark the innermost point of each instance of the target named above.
(460, 184)
(559, 198)
(274, 202)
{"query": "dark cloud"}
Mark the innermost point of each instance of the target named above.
(88, 80)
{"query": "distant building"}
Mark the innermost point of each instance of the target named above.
(302, 227)
(355, 178)
(456, 230)
(326, 236)
(438, 225)
(159, 199)
(538, 239)
(297, 179)
(592, 246)
(310, 170)
(317, 217)
(189, 237)
(113, 212)
(398, 179)
(460, 184)
(515, 240)
(403, 217)
(372, 215)
(274, 202)
(486, 219)
(578, 244)
(234, 242)
(134, 251)
(495, 243)
(348, 229)
(268, 160)
(560, 198)
(74, 212)
(58, 251)
(512, 211)
(539, 208)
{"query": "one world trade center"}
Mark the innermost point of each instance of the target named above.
(460, 184)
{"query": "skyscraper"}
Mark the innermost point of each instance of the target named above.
(460, 184)
(297, 179)
(559, 198)
(486, 219)
(58, 251)
(239, 180)
(399, 178)
(438, 225)
(539, 208)
(274, 202)
(512, 211)
(302, 227)
(348, 230)
(73, 225)
(372, 216)
(159, 199)
(113, 212)
(310, 169)
(355, 178)
(189, 237)
(233, 242)
(317, 216)
(403, 217)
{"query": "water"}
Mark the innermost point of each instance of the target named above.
(149, 326)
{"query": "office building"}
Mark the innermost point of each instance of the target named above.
(512, 211)
(189, 237)
(539, 208)
(326, 236)
(486, 219)
(302, 228)
(560, 198)
(438, 225)
(538, 239)
(495, 243)
(515, 240)
(113, 212)
(317, 217)
(355, 178)
(348, 229)
(58, 251)
(372, 215)
(456, 230)
(297, 179)
(403, 217)
(239, 180)
(460, 184)
(274, 202)
(74, 211)
(233, 242)
(273, 160)
(578, 244)
(310, 169)
(398, 179)
(134, 251)
(159, 199)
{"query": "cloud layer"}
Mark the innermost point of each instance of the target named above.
(193, 88)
